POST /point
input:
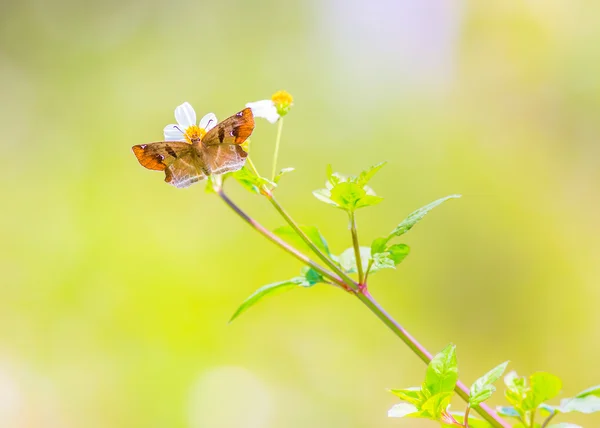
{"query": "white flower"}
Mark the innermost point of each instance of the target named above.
(186, 127)
(265, 109)
(278, 106)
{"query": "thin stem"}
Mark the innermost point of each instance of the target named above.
(363, 295)
(251, 166)
(276, 153)
(367, 272)
(466, 418)
(279, 242)
(548, 419)
(356, 246)
(461, 389)
(532, 424)
(330, 263)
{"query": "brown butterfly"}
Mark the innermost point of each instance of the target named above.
(204, 153)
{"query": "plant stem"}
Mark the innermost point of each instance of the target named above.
(356, 245)
(330, 263)
(276, 240)
(276, 153)
(461, 389)
(548, 419)
(364, 296)
(532, 424)
(466, 417)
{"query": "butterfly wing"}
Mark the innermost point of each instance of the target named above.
(233, 130)
(178, 160)
(225, 158)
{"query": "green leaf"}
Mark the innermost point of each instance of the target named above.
(587, 404)
(543, 387)
(483, 389)
(282, 173)
(390, 258)
(442, 372)
(368, 201)
(250, 181)
(308, 277)
(379, 245)
(416, 216)
(262, 292)
(594, 390)
(410, 395)
(402, 410)
(346, 195)
(288, 234)
(367, 174)
(508, 411)
(324, 195)
(435, 405)
(347, 259)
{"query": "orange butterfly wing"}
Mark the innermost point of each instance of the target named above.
(178, 159)
(233, 130)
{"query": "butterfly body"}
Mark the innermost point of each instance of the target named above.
(216, 151)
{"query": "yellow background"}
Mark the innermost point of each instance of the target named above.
(116, 288)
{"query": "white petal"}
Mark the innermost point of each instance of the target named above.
(208, 122)
(185, 115)
(265, 109)
(173, 133)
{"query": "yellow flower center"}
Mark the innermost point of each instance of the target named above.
(283, 102)
(194, 132)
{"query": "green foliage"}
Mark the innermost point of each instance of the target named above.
(307, 278)
(349, 192)
(432, 400)
(473, 422)
(483, 387)
(416, 216)
(251, 181)
(288, 234)
(386, 260)
(442, 372)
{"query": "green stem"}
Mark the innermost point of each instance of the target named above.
(466, 422)
(461, 389)
(532, 425)
(330, 263)
(367, 272)
(276, 153)
(356, 245)
(363, 295)
(279, 242)
(548, 419)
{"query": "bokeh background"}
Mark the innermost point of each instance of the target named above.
(116, 288)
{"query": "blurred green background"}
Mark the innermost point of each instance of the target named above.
(116, 288)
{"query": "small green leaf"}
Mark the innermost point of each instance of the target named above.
(367, 174)
(402, 410)
(437, 404)
(288, 234)
(416, 216)
(282, 173)
(250, 181)
(347, 259)
(587, 404)
(308, 277)
(262, 292)
(346, 195)
(594, 390)
(543, 387)
(483, 389)
(324, 195)
(508, 411)
(379, 245)
(368, 201)
(410, 395)
(442, 372)
(390, 258)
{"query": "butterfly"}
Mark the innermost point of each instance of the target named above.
(205, 153)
